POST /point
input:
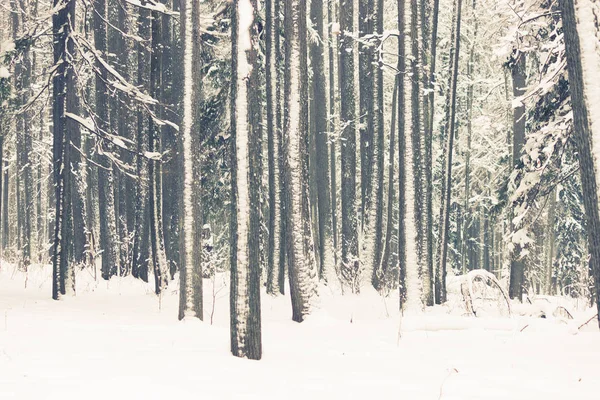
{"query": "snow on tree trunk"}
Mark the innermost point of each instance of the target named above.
(63, 277)
(582, 32)
(301, 264)
(190, 301)
(350, 267)
(245, 263)
(517, 264)
(449, 148)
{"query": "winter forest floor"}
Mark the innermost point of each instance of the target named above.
(113, 342)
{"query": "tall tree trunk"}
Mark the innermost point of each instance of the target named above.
(416, 133)
(447, 177)
(63, 276)
(379, 206)
(402, 159)
(517, 263)
(350, 261)
(367, 108)
(170, 143)
(140, 241)
(108, 226)
(281, 262)
(551, 243)
(190, 303)
(331, 129)
(27, 149)
(428, 156)
(159, 257)
(245, 323)
(380, 273)
(581, 30)
(271, 73)
(319, 116)
(301, 264)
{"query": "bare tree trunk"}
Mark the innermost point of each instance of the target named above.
(447, 184)
(301, 264)
(63, 276)
(190, 301)
(140, 241)
(402, 175)
(579, 23)
(379, 201)
(245, 324)
(367, 108)
(319, 116)
(350, 259)
(517, 264)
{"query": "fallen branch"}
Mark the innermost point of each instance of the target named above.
(588, 321)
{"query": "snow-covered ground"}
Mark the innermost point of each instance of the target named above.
(116, 341)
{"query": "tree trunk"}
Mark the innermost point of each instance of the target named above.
(159, 257)
(190, 303)
(416, 133)
(402, 159)
(551, 242)
(281, 262)
(350, 267)
(379, 201)
(301, 264)
(319, 116)
(581, 30)
(63, 276)
(447, 177)
(367, 108)
(331, 129)
(108, 227)
(517, 264)
(245, 324)
(140, 241)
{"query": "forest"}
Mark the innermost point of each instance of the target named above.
(370, 168)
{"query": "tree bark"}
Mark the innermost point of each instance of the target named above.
(245, 324)
(350, 267)
(581, 30)
(447, 177)
(301, 264)
(191, 302)
(517, 264)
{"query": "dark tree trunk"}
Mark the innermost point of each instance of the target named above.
(245, 323)
(401, 152)
(108, 228)
(584, 121)
(366, 102)
(301, 264)
(278, 27)
(141, 252)
(416, 132)
(271, 72)
(190, 300)
(319, 117)
(350, 261)
(379, 89)
(447, 177)
(157, 242)
(63, 277)
(517, 264)
(331, 130)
